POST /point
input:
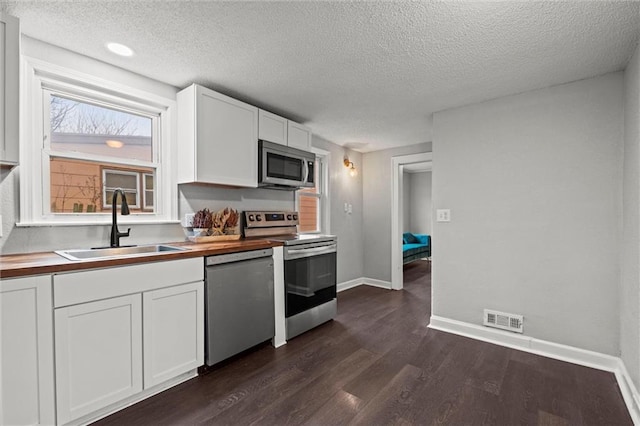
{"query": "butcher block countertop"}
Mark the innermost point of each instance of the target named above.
(20, 265)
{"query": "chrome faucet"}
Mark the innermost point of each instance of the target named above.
(124, 209)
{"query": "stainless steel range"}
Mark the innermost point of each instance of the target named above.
(309, 268)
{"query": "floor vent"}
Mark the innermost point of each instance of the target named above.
(504, 321)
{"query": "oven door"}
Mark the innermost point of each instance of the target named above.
(309, 275)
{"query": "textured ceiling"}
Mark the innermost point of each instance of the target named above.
(362, 74)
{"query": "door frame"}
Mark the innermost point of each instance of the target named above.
(397, 164)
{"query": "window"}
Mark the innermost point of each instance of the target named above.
(312, 201)
(93, 137)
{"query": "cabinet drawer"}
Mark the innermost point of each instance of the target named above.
(79, 287)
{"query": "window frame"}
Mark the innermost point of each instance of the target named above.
(323, 159)
(105, 202)
(40, 80)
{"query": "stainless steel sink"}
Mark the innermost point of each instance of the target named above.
(115, 252)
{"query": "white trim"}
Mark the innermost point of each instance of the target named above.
(346, 285)
(548, 349)
(378, 283)
(34, 159)
(280, 335)
(324, 200)
(396, 211)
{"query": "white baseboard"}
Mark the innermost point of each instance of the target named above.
(548, 349)
(377, 283)
(350, 284)
(363, 281)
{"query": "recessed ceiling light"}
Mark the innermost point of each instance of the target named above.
(120, 49)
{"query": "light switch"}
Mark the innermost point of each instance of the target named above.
(346, 207)
(443, 215)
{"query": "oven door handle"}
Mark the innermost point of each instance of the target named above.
(292, 253)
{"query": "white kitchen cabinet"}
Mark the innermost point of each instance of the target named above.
(276, 129)
(9, 78)
(173, 329)
(298, 136)
(98, 353)
(272, 128)
(121, 331)
(26, 351)
(217, 139)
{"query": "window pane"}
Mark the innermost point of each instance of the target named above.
(77, 186)
(119, 180)
(308, 211)
(82, 127)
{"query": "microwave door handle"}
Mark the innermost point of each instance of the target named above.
(306, 172)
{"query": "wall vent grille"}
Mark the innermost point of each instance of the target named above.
(504, 321)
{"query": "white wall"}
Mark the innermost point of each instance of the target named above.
(345, 188)
(536, 222)
(31, 239)
(420, 196)
(630, 279)
(376, 214)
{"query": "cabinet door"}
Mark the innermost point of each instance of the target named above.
(173, 332)
(26, 352)
(299, 136)
(272, 128)
(98, 352)
(9, 71)
(226, 140)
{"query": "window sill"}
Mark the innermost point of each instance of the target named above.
(97, 223)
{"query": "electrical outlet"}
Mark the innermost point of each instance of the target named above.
(350, 209)
(346, 207)
(187, 222)
(0, 226)
(443, 215)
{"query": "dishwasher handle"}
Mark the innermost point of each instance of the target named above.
(237, 257)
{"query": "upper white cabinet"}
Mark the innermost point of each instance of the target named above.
(298, 136)
(276, 129)
(9, 78)
(217, 139)
(272, 128)
(26, 352)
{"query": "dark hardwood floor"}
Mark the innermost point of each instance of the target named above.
(378, 363)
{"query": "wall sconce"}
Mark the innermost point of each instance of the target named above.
(349, 164)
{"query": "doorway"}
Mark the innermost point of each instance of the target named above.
(423, 161)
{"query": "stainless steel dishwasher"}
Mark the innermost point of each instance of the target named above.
(239, 302)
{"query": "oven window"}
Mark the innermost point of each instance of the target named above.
(309, 281)
(279, 166)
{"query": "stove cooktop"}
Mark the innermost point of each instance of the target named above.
(290, 240)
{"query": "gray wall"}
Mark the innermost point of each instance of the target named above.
(376, 217)
(348, 227)
(534, 183)
(630, 276)
(420, 196)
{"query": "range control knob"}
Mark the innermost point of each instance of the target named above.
(251, 217)
(288, 217)
(259, 218)
(295, 217)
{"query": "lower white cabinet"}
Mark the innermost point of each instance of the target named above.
(124, 330)
(98, 354)
(173, 332)
(26, 351)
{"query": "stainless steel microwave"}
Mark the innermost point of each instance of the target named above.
(283, 167)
